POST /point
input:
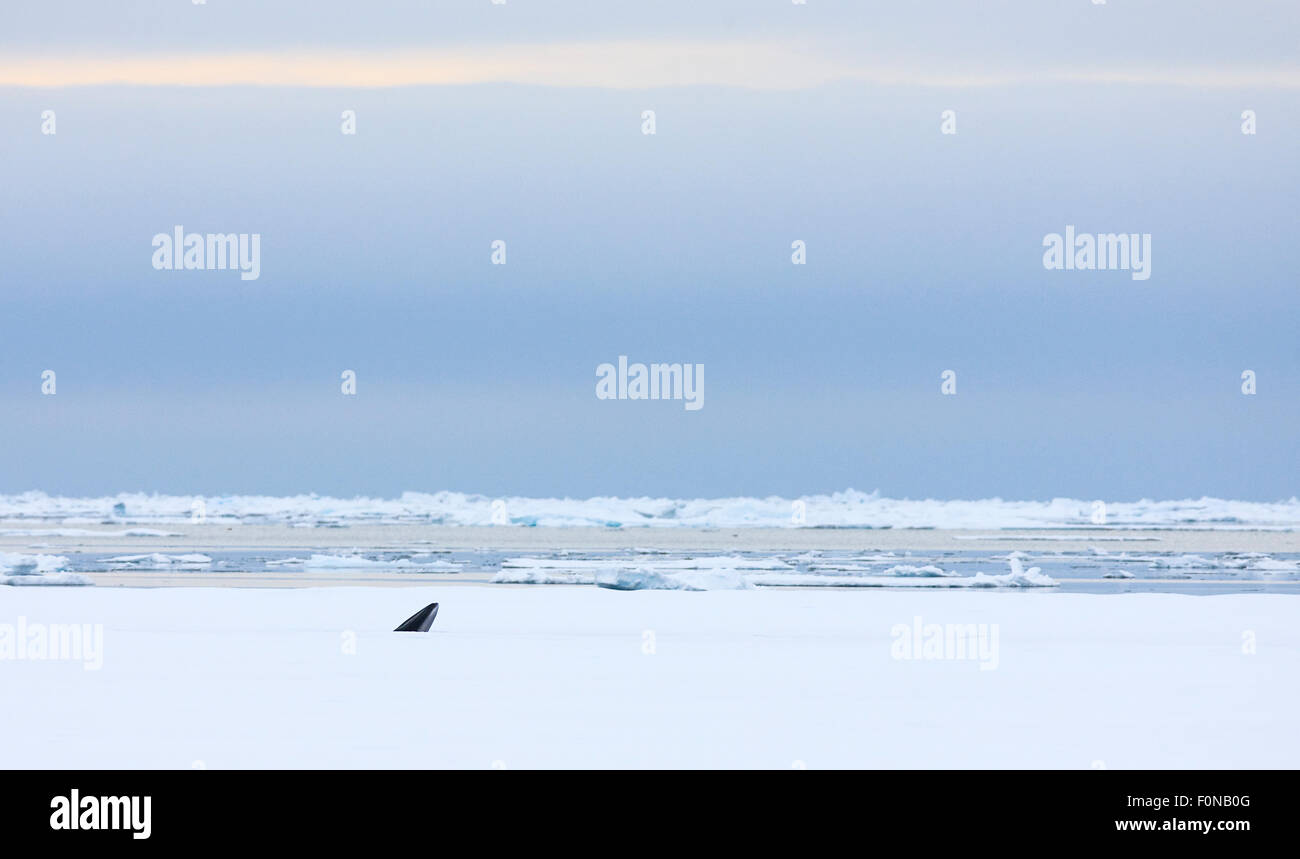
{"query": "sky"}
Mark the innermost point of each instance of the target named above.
(774, 122)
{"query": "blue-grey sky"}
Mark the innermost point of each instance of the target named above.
(782, 122)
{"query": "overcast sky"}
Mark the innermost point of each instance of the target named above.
(775, 122)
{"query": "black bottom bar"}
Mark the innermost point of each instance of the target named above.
(318, 808)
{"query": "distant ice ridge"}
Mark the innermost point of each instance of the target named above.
(28, 570)
(84, 532)
(848, 509)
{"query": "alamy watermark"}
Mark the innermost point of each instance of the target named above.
(946, 641)
(653, 382)
(1103, 251)
(62, 642)
(181, 251)
(130, 813)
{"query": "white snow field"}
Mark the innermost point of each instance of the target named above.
(519, 677)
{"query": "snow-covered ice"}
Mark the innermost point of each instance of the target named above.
(593, 677)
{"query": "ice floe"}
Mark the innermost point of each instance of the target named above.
(913, 577)
(1274, 565)
(927, 571)
(1182, 562)
(708, 562)
(47, 579)
(682, 580)
(24, 570)
(19, 564)
(736, 573)
(541, 577)
(1252, 561)
(159, 561)
(357, 562)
